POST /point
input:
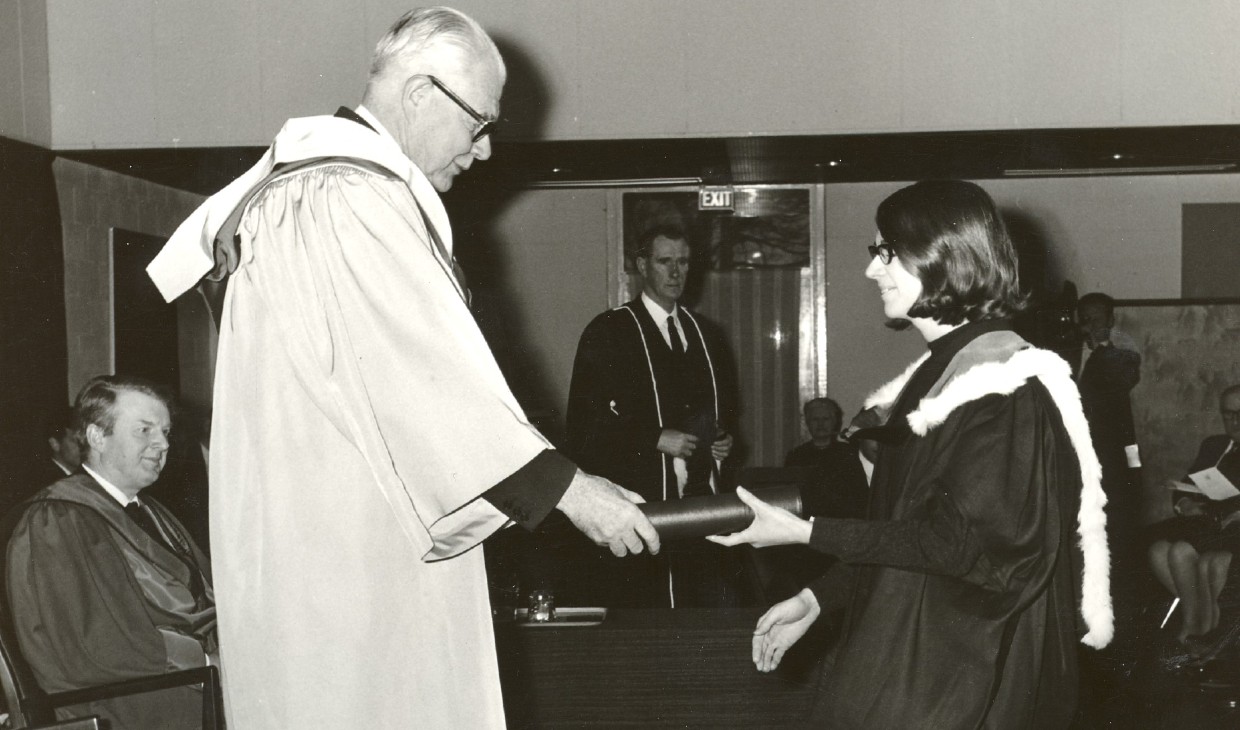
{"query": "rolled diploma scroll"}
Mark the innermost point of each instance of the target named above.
(716, 514)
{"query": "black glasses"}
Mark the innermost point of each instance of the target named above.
(883, 251)
(485, 126)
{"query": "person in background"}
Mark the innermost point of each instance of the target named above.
(960, 587)
(648, 407)
(1109, 369)
(1192, 552)
(364, 441)
(61, 459)
(104, 583)
(837, 485)
(65, 455)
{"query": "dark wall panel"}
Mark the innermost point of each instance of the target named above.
(1211, 251)
(33, 354)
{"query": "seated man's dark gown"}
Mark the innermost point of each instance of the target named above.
(95, 599)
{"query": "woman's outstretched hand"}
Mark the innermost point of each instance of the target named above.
(770, 526)
(781, 627)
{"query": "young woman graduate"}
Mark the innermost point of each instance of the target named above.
(962, 590)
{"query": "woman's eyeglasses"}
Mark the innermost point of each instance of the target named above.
(883, 251)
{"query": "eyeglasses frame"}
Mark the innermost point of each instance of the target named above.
(485, 126)
(884, 252)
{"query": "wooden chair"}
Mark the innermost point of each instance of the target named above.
(31, 708)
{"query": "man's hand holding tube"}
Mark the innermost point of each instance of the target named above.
(607, 514)
(771, 526)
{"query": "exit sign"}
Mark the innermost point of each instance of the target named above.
(717, 198)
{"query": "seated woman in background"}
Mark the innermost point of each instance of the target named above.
(1191, 553)
(1197, 579)
(960, 585)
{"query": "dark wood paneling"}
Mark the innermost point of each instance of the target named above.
(837, 158)
(33, 353)
(683, 668)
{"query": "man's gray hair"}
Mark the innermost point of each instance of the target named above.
(422, 29)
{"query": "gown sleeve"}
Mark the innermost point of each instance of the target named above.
(986, 518)
(388, 349)
(528, 495)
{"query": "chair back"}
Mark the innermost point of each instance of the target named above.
(26, 702)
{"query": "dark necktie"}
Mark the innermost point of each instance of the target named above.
(1229, 466)
(142, 518)
(145, 519)
(678, 347)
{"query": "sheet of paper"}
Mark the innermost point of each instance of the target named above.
(1213, 484)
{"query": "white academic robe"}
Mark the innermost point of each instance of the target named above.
(358, 415)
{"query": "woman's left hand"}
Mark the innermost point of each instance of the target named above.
(771, 526)
(781, 627)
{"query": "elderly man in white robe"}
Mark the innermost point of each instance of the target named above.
(352, 391)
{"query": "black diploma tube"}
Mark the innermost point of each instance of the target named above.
(716, 514)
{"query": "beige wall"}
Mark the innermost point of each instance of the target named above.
(549, 254)
(25, 106)
(1189, 355)
(132, 73)
(1120, 235)
(92, 201)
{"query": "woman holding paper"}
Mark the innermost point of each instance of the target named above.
(960, 588)
(1191, 553)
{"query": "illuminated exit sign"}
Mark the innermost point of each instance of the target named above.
(716, 198)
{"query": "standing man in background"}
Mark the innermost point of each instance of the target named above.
(1110, 368)
(352, 391)
(647, 409)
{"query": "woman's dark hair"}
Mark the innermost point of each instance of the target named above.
(949, 235)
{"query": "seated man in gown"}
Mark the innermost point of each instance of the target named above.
(104, 584)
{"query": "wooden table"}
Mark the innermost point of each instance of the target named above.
(652, 668)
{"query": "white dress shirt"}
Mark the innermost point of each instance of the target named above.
(659, 315)
(112, 490)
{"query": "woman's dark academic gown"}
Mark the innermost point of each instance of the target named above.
(961, 587)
